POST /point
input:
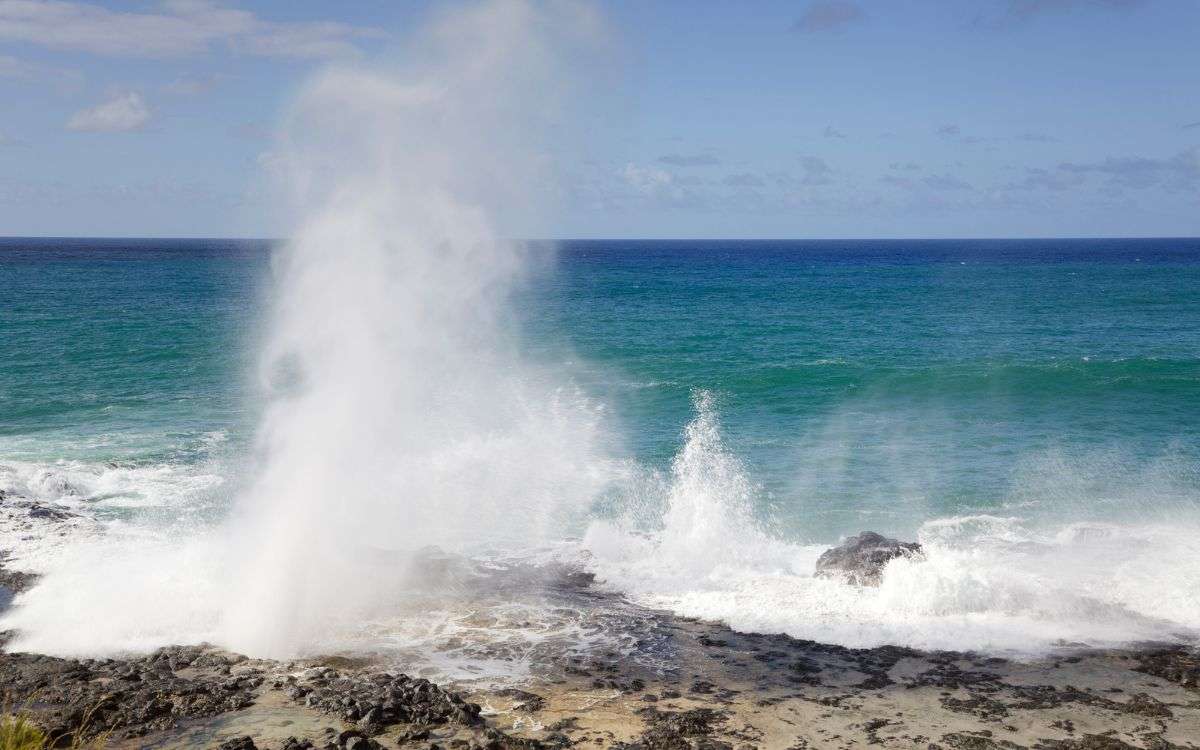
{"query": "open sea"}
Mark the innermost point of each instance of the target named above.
(1028, 409)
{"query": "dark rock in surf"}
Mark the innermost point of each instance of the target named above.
(50, 513)
(16, 581)
(861, 559)
(523, 700)
(12, 582)
(35, 509)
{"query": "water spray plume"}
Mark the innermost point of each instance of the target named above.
(403, 414)
(400, 412)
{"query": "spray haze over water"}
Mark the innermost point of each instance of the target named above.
(408, 415)
(401, 413)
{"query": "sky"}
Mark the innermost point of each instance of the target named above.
(802, 119)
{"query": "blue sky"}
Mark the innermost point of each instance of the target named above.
(834, 118)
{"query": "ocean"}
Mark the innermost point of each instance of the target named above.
(691, 421)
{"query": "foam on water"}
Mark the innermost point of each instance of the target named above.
(985, 582)
(83, 484)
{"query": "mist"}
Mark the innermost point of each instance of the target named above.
(400, 413)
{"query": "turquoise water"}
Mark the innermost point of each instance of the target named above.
(878, 383)
(124, 349)
(863, 384)
(693, 422)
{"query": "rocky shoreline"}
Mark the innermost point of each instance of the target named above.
(706, 688)
(726, 690)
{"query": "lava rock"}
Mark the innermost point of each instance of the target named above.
(1178, 664)
(523, 701)
(50, 513)
(374, 702)
(861, 559)
(79, 700)
(683, 730)
(1088, 742)
(16, 581)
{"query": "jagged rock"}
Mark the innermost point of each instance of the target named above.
(50, 513)
(1146, 705)
(860, 559)
(523, 700)
(374, 702)
(683, 730)
(1177, 664)
(83, 699)
(16, 581)
(969, 741)
(1087, 742)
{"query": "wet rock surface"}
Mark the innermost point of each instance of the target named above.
(125, 702)
(16, 581)
(128, 698)
(19, 505)
(25, 514)
(1178, 664)
(862, 558)
(373, 702)
(682, 730)
(723, 691)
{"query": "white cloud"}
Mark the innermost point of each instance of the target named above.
(1180, 172)
(123, 112)
(646, 179)
(181, 28)
(307, 40)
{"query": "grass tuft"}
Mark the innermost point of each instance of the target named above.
(17, 732)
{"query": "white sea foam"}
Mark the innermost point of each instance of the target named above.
(80, 484)
(985, 582)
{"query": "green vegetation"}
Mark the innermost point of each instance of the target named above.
(17, 732)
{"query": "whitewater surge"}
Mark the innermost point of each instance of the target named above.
(989, 583)
(689, 542)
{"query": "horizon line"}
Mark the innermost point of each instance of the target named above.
(640, 239)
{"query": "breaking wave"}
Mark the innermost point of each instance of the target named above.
(984, 582)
